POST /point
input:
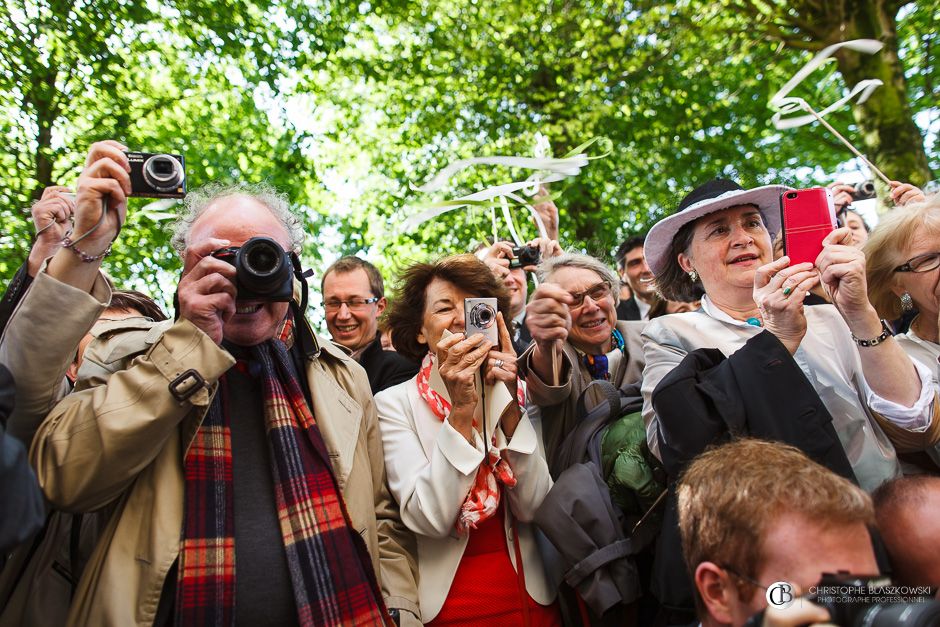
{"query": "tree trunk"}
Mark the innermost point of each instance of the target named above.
(891, 139)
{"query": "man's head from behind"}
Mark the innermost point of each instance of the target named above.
(752, 513)
(354, 298)
(235, 213)
(631, 265)
(906, 510)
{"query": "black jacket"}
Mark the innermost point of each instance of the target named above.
(385, 368)
(13, 295)
(21, 504)
(758, 391)
(628, 310)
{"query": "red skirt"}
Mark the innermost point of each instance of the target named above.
(486, 589)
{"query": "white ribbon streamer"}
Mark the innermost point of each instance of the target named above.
(547, 170)
(786, 105)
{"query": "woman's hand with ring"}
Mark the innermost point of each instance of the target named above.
(460, 358)
(779, 291)
(501, 366)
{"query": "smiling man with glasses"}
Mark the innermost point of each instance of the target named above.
(354, 298)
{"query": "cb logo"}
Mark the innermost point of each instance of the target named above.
(780, 595)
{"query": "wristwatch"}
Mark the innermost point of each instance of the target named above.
(885, 334)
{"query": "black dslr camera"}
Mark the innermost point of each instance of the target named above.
(264, 271)
(863, 190)
(866, 601)
(523, 256)
(157, 175)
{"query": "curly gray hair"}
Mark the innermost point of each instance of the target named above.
(198, 200)
(549, 266)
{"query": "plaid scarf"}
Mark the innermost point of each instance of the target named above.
(330, 570)
(483, 499)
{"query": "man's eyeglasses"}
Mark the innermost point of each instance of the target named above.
(920, 263)
(355, 304)
(743, 578)
(597, 292)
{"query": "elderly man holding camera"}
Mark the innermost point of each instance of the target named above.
(240, 452)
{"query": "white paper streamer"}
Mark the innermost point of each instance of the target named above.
(547, 170)
(786, 105)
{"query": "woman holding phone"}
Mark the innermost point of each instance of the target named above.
(720, 240)
(461, 454)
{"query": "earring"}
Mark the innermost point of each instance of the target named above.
(907, 303)
(693, 275)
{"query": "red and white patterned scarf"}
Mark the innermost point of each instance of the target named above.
(483, 498)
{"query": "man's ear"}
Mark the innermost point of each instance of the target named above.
(381, 305)
(685, 262)
(717, 591)
(72, 372)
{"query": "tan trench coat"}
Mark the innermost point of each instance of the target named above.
(121, 436)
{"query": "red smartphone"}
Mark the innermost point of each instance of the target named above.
(807, 216)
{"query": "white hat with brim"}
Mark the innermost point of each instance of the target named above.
(705, 199)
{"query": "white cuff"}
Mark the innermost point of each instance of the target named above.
(524, 439)
(463, 456)
(916, 418)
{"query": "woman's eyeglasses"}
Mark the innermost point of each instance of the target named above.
(597, 292)
(920, 263)
(355, 304)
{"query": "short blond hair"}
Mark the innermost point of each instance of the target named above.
(730, 496)
(886, 249)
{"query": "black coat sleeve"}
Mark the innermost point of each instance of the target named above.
(21, 502)
(13, 295)
(758, 391)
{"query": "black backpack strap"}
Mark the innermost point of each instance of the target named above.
(610, 394)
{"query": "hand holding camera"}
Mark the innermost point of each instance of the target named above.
(459, 358)
(104, 183)
(779, 290)
(842, 273)
(207, 291)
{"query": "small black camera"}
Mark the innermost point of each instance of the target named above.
(524, 256)
(863, 191)
(263, 270)
(157, 175)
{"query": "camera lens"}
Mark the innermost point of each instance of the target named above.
(163, 173)
(261, 265)
(791, 195)
(262, 260)
(482, 316)
(921, 614)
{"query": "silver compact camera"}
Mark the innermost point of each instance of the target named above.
(480, 317)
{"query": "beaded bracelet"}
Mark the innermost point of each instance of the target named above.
(68, 243)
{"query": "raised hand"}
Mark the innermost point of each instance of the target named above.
(207, 292)
(779, 291)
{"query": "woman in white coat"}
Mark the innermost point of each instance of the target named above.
(461, 454)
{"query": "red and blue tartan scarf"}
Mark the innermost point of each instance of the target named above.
(330, 569)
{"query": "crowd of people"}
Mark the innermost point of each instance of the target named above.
(662, 442)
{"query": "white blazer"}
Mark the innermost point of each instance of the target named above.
(431, 468)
